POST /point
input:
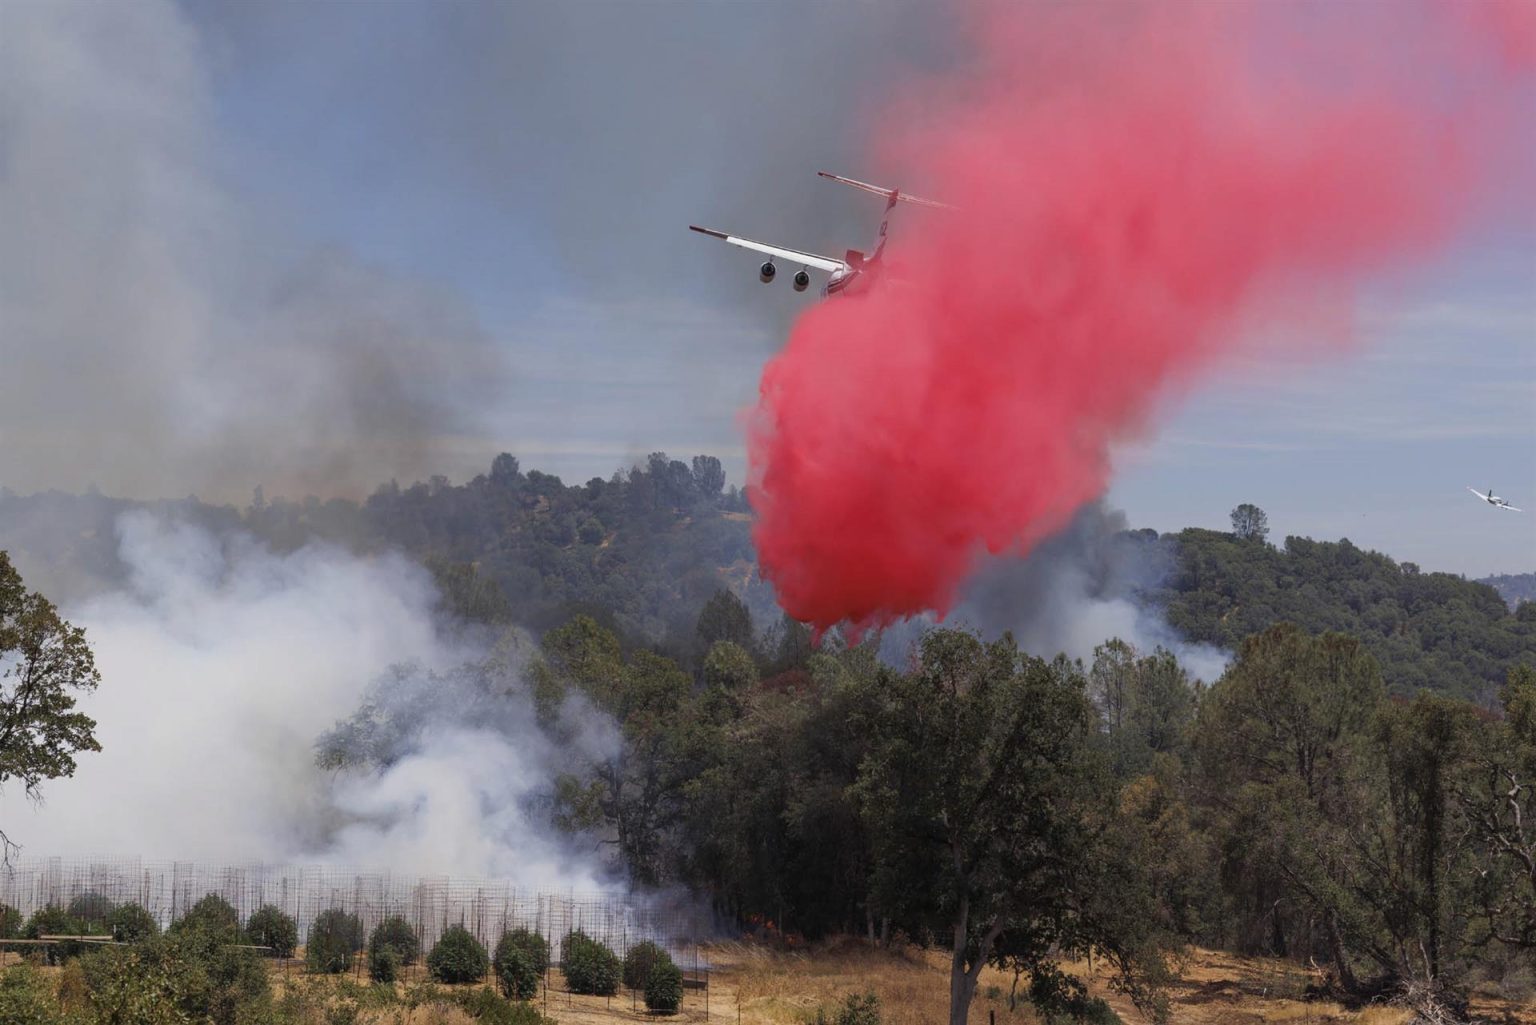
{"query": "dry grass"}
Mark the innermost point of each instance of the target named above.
(913, 987)
(756, 986)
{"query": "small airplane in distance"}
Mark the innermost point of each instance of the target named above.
(1493, 500)
(848, 275)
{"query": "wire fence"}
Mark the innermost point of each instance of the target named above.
(90, 888)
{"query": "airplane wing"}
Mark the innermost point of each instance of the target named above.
(825, 263)
(1506, 505)
(1478, 493)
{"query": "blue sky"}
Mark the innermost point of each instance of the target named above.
(502, 191)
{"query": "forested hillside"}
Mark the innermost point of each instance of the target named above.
(640, 551)
(1513, 587)
(1430, 631)
(643, 550)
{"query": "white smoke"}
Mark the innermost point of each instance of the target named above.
(223, 662)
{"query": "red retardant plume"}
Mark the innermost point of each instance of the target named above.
(1135, 186)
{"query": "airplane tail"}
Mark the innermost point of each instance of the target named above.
(892, 197)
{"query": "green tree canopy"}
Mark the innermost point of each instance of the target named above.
(44, 664)
(988, 812)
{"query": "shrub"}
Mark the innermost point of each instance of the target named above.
(516, 973)
(213, 979)
(26, 998)
(90, 908)
(383, 963)
(10, 922)
(396, 932)
(458, 957)
(270, 927)
(333, 938)
(190, 976)
(213, 915)
(854, 1010)
(638, 962)
(590, 967)
(487, 1008)
(130, 923)
(534, 947)
(664, 985)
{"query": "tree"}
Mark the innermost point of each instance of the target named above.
(270, 927)
(457, 957)
(708, 477)
(334, 937)
(517, 975)
(534, 948)
(131, 923)
(396, 932)
(988, 812)
(504, 471)
(590, 966)
(729, 667)
(213, 915)
(44, 663)
(638, 962)
(1250, 523)
(664, 986)
(1145, 703)
(1338, 814)
(725, 618)
(1499, 798)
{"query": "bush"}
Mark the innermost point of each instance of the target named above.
(270, 927)
(664, 985)
(396, 932)
(458, 957)
(190, 976)
(26, 998)
(854, 1010)
(333, 938)
(10, 922)
(214, 980)
(213, 915)
(590, 967)
(383, 963)
(130, 923)
(516, 973)
(54, 921)
(638, 962)
(534, 947)
(487, 1008)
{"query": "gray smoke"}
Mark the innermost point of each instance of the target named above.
(176, 314)
(157, 334)
(1076, 590)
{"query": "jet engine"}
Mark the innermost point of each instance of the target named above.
(765, 272)
(802, 281)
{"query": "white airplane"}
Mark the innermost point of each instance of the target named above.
(850, 274)
(1493, 500)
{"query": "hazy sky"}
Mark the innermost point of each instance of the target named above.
(311, 246)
